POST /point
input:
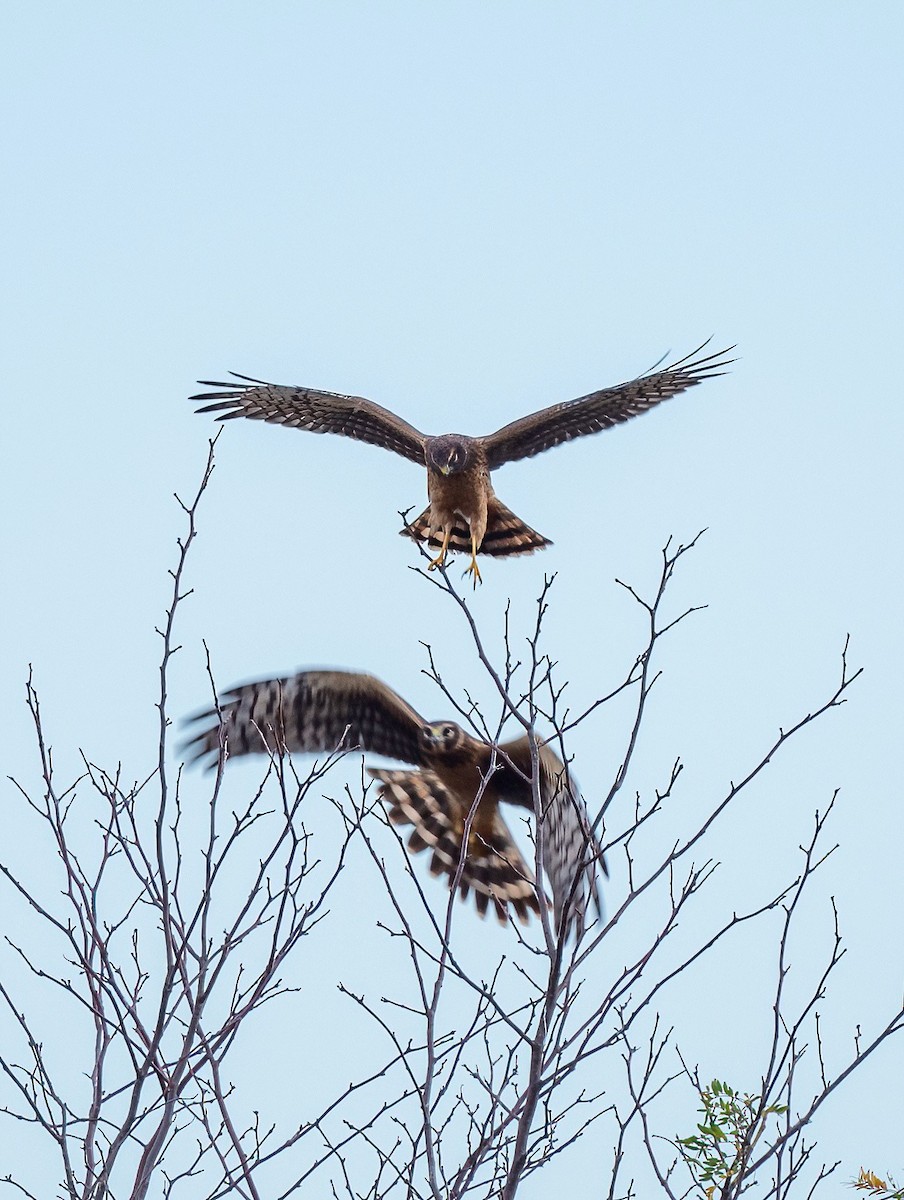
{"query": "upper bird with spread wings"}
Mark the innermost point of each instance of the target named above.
(452, 800)
(463, 513)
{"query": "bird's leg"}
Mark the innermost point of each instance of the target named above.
(440, 559)
(473, 569)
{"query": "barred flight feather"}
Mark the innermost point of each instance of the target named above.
(492, 868)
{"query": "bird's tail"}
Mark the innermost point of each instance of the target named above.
(506, 534)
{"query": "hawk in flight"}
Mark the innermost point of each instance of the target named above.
(463, 513)
(452, 800)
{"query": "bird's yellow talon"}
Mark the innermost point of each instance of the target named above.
(473, 569)
(440, 560)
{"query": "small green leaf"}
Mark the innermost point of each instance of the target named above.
(714, 1132)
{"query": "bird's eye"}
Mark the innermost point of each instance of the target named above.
(448, 732)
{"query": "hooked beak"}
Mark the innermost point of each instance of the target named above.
(446, 470)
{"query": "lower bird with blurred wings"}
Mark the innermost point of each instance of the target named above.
(452, 800)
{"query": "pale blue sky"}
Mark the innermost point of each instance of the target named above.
(467, 212)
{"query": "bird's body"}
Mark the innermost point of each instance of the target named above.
(463, 493)
(452, 800)
(464, 512)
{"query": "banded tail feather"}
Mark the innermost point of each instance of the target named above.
(506, 535)
(493, 867)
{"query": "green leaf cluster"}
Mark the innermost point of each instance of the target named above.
(732, 1124)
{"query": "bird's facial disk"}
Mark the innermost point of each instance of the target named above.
(449, 457)
(442, 735)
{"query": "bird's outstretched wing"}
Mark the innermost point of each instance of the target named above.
(314, 712)
(493, 867)
(589, 414)
(315, 411)
(572, 857)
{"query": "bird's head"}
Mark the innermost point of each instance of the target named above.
(442, 737)
(448, 454)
